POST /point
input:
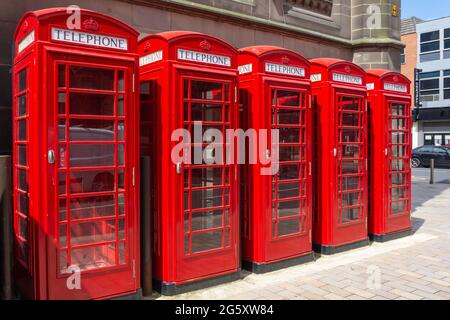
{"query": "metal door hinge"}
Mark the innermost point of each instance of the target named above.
(335, 152)
(310, 236)
(134, 268)
(310, 101)
(366, 223)
(386, 151)
(133, 176)
(310, 168)
(133, 81)
(235, 94)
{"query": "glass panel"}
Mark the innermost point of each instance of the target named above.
(288, 190)
(92, 232)
(62, 182)
(121, 228)
(62, 103)
(91, 130)
(288, 208)
(62, 210)
(429, 36)
(61, 75)
(206, 241)
(120, 131)
(23, 204)
(398, 179)
(349, 167)
(91, 78)
(122, 253)
(63, 262)
(350, 199)
(121, 204)
(22, 105)
(351, 151)
(431, 46)
(62, 236)
(350, 214)
(288, 98)
(206, 177)
(23, 228)
(398, 207)
(289, 172)
(120, 106)
(22, 180)
(94, 257)
(92, 181)
(287, 117)
(23, 80)
(206, 198)
(206, 90)
(350, 119)
(22, 152)
(22, 130)
(120, 81)
(291, 153)
(121, 155)
(61, 129)
(398, 193)
(91, 155)
(398, 165)
(121, 180)
(22, 250)
(206, 112)
(91, 104)
(286, 227)
(349, 183)
(289, 135)
(92, 207)
(350, 104)
(206, 220)
(350, 135)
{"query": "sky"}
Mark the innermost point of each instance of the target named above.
(425, 9)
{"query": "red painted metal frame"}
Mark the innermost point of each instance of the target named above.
(259, 246)
(330, 232)
(37, 277)
(381, 99)
(166, 75)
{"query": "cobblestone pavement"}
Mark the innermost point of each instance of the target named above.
(415, 267)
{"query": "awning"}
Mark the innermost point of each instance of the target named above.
(431, 114)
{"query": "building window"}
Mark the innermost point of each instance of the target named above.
(447, 84)
(430, 46)
(447, 44)
(323, 7)
(403, 56)
(429, 86)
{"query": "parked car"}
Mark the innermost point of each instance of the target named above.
(422, 156)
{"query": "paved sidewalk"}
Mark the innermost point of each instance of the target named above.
(416, 267)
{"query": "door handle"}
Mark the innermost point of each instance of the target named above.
(267, 154)
(178, 168)
(51, 156)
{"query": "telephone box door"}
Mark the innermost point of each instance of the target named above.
(351, 167)
(206, 215)
(289, 222)
(399, 170)
(90, 165)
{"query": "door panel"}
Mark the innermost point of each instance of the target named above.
(208, 211)
(289, 221)
(351, 179)
(92, 172)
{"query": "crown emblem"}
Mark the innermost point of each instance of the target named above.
(395, 79)
(147, 46)
(348, 69)
(285, 60)
(90, 24)
(205, 45)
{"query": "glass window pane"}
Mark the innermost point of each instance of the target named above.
(121, 154)
(429, 84)
(425, 57)
(122, 204)
(289, 135)
(398, 207)
(61, 103)
(91, 130)
(350, 135)
(62, 236)
(22, 105)
(22, 180)
(430, 46)
(91, 181)
(350, 199)
(94, 257)
(61, 75)
(206, 112)
(433, 74)
(349, 183)
(287, 117)
(288, 208)
(23, 228)
(349, 167)
(206, 220)
(206, 198)
(206, 177)
(23, 80)
(62, 209)
(92, 207)
(288, 190)
(22, 130)
(120, 106)
(121, 131)
(287, 98)
(22, 155)
(289, 172)
(91, 78)
(429, 36)
(91, 104)
(22, 251)
(350, 214)
(206, 241)
(23, 204)
(92, 232)
(287, 227)
(120, 81)
(206, 90)
(122, 253)
(351, 151)
(91, 155)
(291, 153)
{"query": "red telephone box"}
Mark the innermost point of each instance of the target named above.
(75, 156)
(390, 154)
(340, 108)
(275, 93)
(188, 81)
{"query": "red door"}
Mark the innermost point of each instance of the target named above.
(91, 212)
(351, 168)
(289, 219)
(399, 169)
(206, 217)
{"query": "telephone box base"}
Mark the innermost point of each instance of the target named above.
(260, 268)
(171, 289)
(390, 236)
(329, 250)
(129, 296)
